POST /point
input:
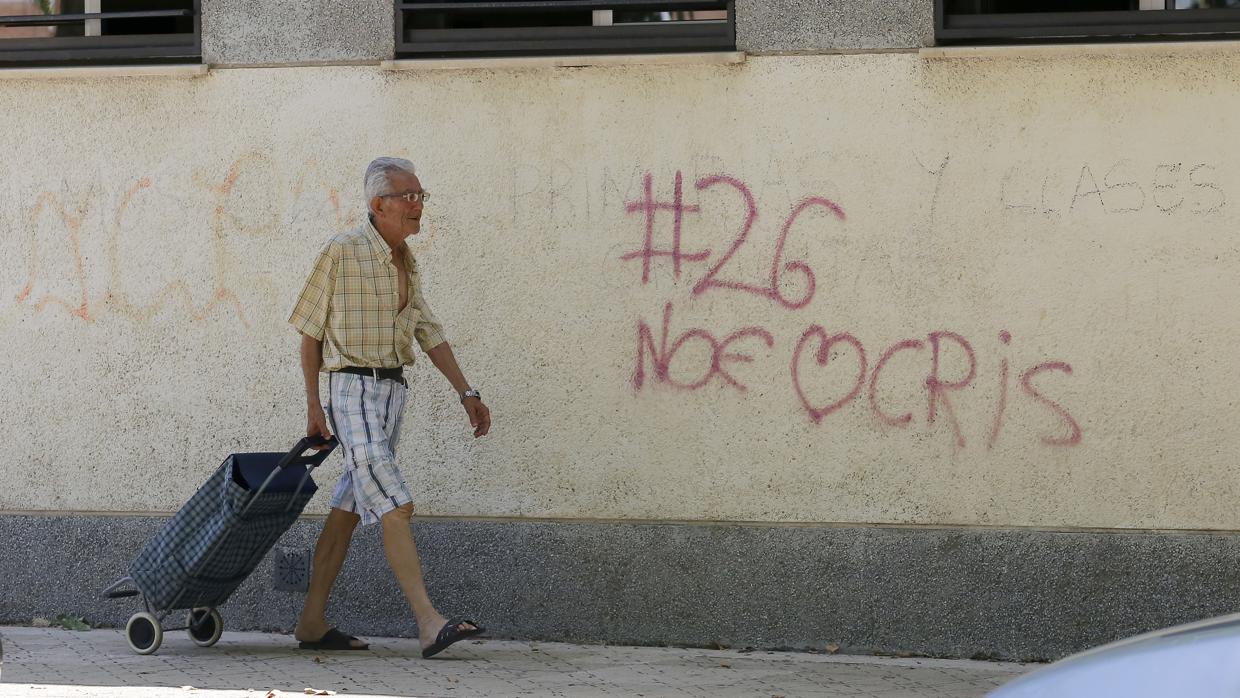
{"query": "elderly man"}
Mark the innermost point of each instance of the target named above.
(359, 314)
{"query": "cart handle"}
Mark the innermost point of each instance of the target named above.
(296, 457)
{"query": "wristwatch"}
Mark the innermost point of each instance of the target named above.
(470, 393)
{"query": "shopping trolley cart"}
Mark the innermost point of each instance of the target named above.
(209, 547)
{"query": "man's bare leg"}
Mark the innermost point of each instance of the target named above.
(329, 554)
(402, 556)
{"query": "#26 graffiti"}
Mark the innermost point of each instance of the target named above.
(656, 351)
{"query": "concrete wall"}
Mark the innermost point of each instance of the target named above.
(236, 32)
(779, 26)
(1020, 594)
(946, 210)
(1002, 296)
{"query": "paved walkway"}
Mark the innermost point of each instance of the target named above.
(56, 663)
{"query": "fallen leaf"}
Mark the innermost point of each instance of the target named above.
(453, 679)
(318, 660)
(718, 646)
(318, 692)
(272, 694)
(188, 688)
(71, 622)
(725, 665)
(832, 648)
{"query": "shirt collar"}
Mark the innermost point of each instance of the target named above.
(380, 248)
(378, 245)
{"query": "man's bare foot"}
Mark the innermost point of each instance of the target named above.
(428, 631)
(438, 636)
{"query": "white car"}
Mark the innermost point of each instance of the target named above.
(1197, 660)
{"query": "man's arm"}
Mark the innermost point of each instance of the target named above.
(479, 416)
(311, 362)
(441, 355)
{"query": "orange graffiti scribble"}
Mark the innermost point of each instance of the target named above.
(186, 298)
(73, 224)
(230, 179)
(333, 194)
(310, 179)
(224, 190)
(175, 288)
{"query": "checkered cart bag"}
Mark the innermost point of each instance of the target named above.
(209, 547)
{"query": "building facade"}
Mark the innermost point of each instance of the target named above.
(851, 336)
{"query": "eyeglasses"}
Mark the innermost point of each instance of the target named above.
(412, 197)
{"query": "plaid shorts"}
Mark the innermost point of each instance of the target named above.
(365, 414)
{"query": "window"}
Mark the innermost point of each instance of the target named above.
(98, 32)
(427, 29)
(1014, 21)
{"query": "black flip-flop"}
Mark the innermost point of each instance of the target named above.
(332, 640)
(449, 634)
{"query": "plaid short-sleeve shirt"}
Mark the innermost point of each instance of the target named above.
(350, 302)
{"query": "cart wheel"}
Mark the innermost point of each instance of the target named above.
(143, 633)
(205, 626)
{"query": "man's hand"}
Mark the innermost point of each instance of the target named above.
(479, 416)
(316, 425)
(311, 362)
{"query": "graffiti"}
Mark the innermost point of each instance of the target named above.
(1026, 379)
(951, 363)
(816, 346)
(81, 225)
(649, 206)
(821, 357)
(92, 251)
(176, 292)
(1123, 187)
(661, 357)
(79, 307)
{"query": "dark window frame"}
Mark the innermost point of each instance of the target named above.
(1096, 26)
(652, 37)
(108, 49)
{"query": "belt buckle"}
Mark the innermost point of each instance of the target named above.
(374, 373)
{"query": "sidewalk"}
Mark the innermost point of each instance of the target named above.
(56, 663)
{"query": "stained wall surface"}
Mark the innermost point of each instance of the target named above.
(868, 289)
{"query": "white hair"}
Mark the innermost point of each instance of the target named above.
(379, 172)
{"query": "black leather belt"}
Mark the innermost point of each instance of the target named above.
(393, 374)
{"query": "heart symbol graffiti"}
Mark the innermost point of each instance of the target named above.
(821, 356)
